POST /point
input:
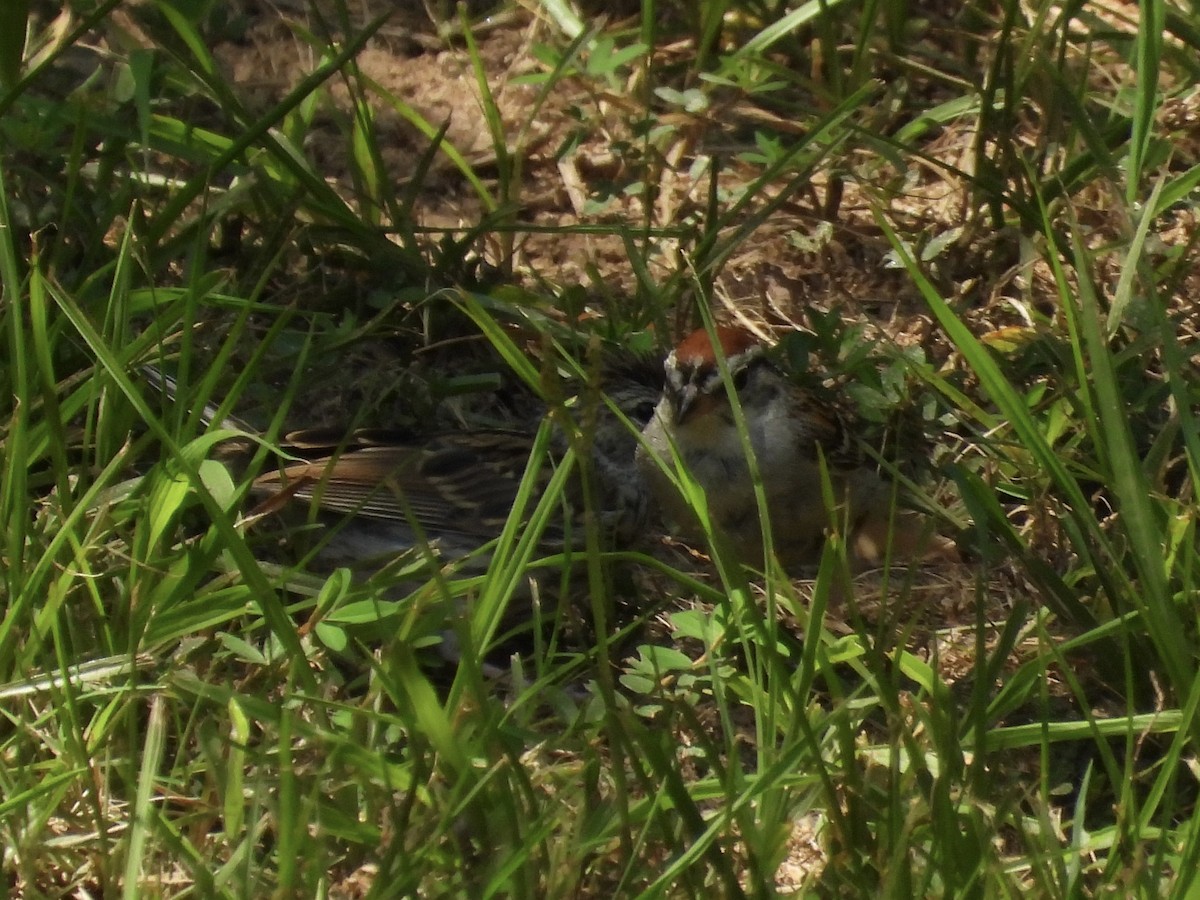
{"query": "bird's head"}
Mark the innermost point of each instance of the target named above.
(694, 386)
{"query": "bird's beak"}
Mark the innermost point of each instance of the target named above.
(684, 402)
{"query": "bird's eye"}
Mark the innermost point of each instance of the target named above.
(740, 377)
(644, 412)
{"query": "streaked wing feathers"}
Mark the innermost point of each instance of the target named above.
(825, 426)
(453, 484)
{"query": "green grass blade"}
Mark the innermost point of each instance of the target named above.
(1146, 99)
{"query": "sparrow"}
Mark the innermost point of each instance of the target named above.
(790, 433)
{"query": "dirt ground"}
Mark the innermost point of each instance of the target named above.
(800, 256)
(822, 249)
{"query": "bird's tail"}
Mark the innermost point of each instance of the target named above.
(210, 413)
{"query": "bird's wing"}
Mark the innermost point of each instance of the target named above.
(453, 484)
(828, 428)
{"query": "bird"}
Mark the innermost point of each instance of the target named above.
(790, 433)
(388, 492)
